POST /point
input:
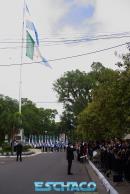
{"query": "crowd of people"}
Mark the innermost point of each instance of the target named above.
(111, 157)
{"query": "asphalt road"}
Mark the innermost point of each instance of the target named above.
(19, 177)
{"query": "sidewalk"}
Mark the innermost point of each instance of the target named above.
(121, 188)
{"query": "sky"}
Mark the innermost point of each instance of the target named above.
(58, 20)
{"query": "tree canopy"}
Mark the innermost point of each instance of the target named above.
(98, 101)
(34, 120)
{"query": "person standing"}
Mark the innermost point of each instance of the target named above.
(43, 147)
(19, 149)
(70, 157)
(82, 152)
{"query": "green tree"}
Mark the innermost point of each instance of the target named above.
(37, 120)
(76, 90)
(107, 115)
(47, 120)
(8, 114)
(30, 117)
(73, 90)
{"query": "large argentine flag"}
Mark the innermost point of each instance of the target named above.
(32, 41)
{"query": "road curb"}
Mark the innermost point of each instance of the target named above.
(109, 188)
(24, 156)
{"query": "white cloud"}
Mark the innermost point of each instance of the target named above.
(48, 13)
(113, 15)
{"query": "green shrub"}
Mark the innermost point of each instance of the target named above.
(26, 148)
(6, 148)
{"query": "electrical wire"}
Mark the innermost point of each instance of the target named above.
(68, 42)
(69, 57)
(83, 35)
(82, 38)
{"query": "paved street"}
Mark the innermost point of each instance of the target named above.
(18, 177)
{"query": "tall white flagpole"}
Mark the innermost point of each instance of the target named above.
(20, 70)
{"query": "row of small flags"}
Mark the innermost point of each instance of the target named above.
(40, 138)
(32, 40)
(45, 143)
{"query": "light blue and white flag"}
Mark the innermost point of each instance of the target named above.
(32, 43)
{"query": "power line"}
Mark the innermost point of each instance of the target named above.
(84, 35)
(82, 39)
(69, 42)
(69, 57)
(76, 40)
